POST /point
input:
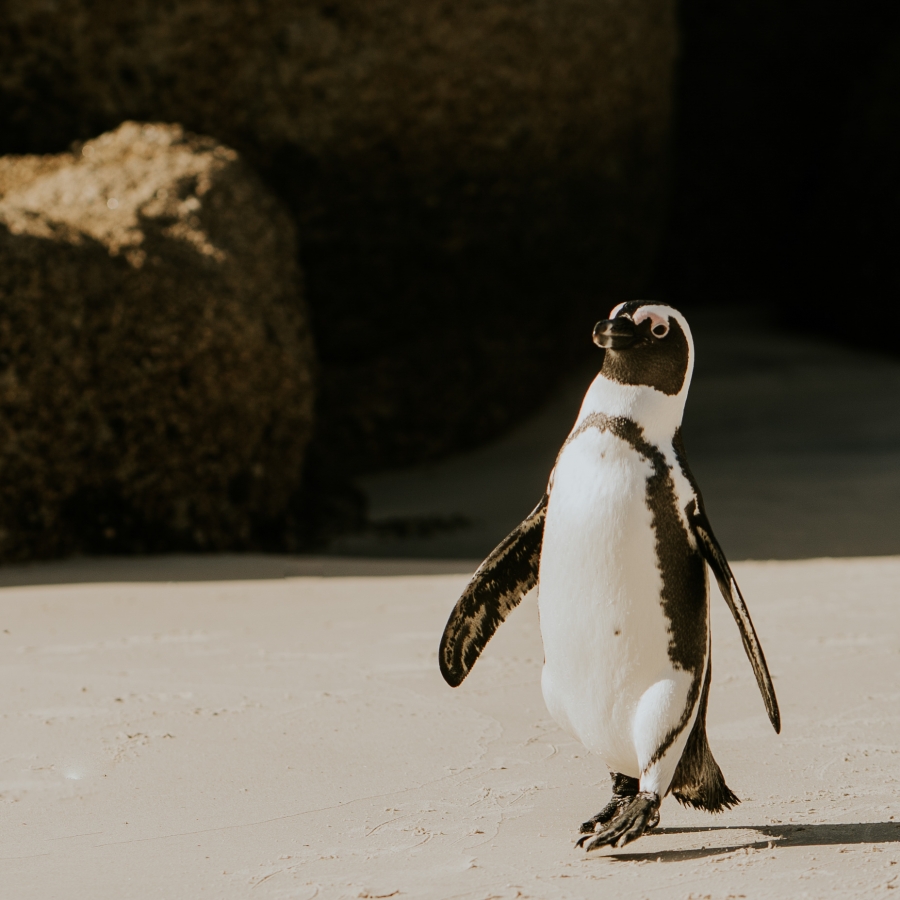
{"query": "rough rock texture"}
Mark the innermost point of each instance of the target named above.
(155, 364)
(474, 182)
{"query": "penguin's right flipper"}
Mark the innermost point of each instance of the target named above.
(712, 553)
(496, 589)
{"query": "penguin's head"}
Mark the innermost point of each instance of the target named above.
(647, 345)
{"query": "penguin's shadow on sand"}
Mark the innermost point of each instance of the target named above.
(774, 836)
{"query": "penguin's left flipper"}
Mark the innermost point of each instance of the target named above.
(715, 558)
(628, 825)
(496, 588)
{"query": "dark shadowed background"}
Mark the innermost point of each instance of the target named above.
(360, 236)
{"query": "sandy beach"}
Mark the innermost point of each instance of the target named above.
(292, 737)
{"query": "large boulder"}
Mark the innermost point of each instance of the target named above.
(156, 368)
(474, 182)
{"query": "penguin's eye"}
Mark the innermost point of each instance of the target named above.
(660, 330)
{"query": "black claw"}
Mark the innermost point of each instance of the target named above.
(628, 825)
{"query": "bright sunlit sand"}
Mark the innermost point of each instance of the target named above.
(293, 737)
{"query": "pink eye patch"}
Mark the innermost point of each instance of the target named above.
(659, 326)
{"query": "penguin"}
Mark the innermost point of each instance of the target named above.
(618, 548)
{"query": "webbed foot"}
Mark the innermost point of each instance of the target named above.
(637, 815)
(624, 787)
(606, 815)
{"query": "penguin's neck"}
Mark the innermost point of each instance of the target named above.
(658, 414)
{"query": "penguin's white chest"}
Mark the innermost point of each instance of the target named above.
(607, 679)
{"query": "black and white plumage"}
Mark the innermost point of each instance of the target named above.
(619, 546)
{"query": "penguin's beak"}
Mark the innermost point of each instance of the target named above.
(614, 334)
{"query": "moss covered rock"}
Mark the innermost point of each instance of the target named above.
(156, 368)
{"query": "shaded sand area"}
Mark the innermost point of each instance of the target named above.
(795, 443)
(291, 737)
(276, 727)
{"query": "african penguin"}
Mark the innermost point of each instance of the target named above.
(619, 546)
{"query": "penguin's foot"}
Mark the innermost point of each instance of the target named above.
(624, 789)
(636, 815)
(609, 812)
(606, 815)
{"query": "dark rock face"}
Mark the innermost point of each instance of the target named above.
(475, 183)
(857, 220)
(786, 149)
(156, 386)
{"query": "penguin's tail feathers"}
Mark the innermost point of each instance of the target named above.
(698, 780)
(713, 798)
